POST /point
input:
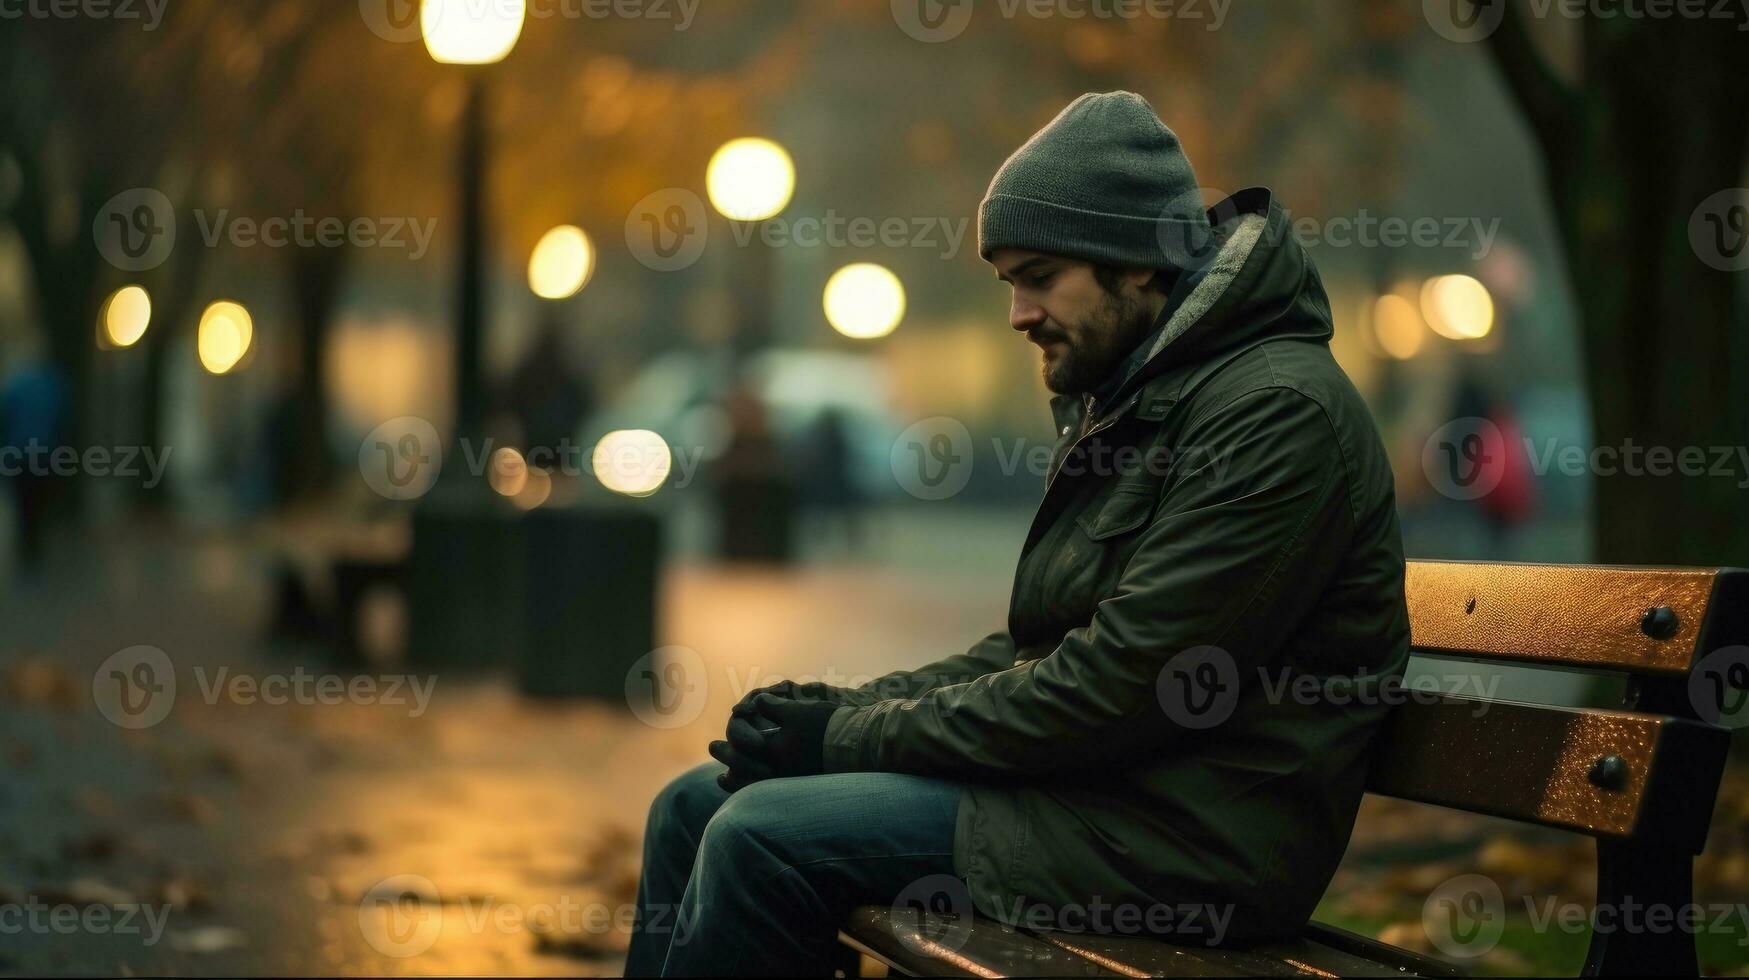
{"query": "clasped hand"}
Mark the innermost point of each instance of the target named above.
(771, 735)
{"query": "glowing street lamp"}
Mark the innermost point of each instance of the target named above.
(750, 179)
(126, 315)
(472, 33)
(864, 301)
(226, 330)
(562, 263)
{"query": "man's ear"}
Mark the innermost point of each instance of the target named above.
(1141, 279)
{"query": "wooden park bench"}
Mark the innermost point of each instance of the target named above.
(1640, 779)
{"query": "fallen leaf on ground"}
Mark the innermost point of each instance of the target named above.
(208, 939)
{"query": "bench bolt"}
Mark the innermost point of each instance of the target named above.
(1609, 772)
(1659, 623)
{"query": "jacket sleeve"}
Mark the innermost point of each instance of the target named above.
(1251, 526)
(993, 653)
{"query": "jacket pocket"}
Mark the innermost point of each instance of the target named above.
(1125, 510)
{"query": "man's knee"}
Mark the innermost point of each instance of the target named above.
(687, 803)
(754, 822)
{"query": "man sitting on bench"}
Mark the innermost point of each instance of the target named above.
(1171, 737)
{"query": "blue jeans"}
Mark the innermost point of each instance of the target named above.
(757, 883)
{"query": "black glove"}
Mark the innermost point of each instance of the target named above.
(790, 690)
(795, 748)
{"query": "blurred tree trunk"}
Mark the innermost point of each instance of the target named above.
(1657, 123)
(64, 270)
(317, 273)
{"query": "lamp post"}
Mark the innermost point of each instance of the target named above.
(751, 180)
(471, 34)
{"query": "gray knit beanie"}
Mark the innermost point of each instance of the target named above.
(1107, 182)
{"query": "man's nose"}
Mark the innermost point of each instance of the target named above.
(1024, 316)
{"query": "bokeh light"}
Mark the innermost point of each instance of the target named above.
(750, 179)
(226, 330)
(634, 462)
(1458, 307)
(562, 263)
(126, 315)
(471, 32)
(864, 301)
(1397, 326)
(535, 490)
(508, 473)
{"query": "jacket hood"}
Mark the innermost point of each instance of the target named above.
(1259, 285)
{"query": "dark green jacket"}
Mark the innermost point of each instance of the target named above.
(1234, 495)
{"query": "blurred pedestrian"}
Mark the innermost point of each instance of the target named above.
(547, 396)
(33, 423)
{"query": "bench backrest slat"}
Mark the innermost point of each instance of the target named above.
(1548, 766)
(1610, 774)
(1589, 617)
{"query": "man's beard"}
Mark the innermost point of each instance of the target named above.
(1095, 347)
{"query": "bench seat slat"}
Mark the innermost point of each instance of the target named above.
(1576, 616)
(986, 948)
(1136, 956)
(929, 948)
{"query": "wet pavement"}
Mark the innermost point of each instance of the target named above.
(243, 837)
